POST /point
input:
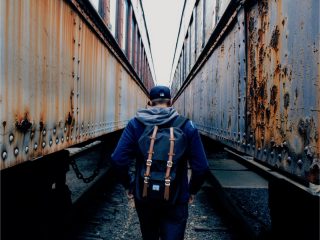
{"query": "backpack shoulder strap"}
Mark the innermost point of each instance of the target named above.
(179, 121)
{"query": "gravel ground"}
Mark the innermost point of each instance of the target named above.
(112, 216)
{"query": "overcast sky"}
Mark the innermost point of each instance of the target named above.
(163, 18)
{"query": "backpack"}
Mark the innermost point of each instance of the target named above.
(163, 148)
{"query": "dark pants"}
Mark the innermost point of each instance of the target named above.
(167, 222)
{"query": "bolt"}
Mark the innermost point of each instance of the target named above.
(26, 150)
(11, 137)
(16, 151)
(300, 163)
(35, 146)
(4, 155)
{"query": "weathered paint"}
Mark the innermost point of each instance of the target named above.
(60, 84)
(257, 90)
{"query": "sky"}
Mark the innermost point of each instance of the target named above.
(163, 19)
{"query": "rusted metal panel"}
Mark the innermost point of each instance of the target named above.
(257, 90)
(283, 83)
(214, 92)
(60, 84)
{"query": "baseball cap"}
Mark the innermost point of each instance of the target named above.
(160, 93)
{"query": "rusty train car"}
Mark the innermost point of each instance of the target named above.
(247, 73)
(71, 72)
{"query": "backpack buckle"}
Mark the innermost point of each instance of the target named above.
(149, 162)
(167, 182)
(146, 179)
(169, 164)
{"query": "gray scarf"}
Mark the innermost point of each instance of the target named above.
(156, 115)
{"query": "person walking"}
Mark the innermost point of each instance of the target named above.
(164, 145)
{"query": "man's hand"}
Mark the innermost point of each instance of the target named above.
(191, 198)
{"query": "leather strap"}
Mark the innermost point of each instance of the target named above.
(169, 165)
(149, 162)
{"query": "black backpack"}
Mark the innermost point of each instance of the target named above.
(163, 148)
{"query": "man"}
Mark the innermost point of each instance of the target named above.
(165, 221)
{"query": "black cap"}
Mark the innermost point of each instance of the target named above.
(160, 93)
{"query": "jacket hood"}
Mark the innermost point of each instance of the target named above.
(156, 115)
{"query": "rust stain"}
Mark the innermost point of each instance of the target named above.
(275, 38)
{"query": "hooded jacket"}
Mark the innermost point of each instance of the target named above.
(127, 149)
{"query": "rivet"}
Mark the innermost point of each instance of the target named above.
(265, 151)
(31, 135)
(279, 156)
(289, 159)
(244, 134)
(306, 149)
(284, 143)
(43, 144)
(26, 149)
(4, 155)
(35, 146)
(16, 151)
(57, 140)
(54, 131)
(251, 136)
(82, 125)
(67, 138)
(300, 163)
(44, 132)
(65, 129)
(50, 142)
(259, 149)
(11, 137)
(71, 137)
(62, 139)
(272, 153)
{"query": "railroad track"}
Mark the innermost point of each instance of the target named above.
(109, 214)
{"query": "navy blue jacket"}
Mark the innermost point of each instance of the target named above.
(128, 150)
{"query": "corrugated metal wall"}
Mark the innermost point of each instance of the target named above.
(60, 84)
(258, 91)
